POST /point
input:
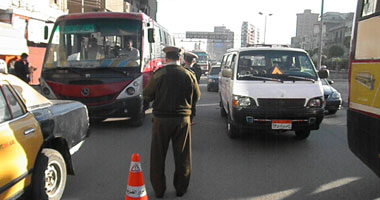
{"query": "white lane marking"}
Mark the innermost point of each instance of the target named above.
(335, 184)
(207, 104)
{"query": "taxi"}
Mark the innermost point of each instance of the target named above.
(37, 138)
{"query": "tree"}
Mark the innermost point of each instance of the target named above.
(347, 41)
(335, 51)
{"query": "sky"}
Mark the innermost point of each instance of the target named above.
(179, 16)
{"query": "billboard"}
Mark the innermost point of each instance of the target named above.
(208, 35)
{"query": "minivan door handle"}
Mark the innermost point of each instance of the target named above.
(29, 131)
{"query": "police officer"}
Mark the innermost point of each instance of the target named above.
(173, 90)
(190, 63)
(189, 59)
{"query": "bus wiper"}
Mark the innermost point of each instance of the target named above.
(114, 70)
(65, 68)
(301, 78)
(260, 77)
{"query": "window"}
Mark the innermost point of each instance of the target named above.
(4, 109)
(369, 7)
(14, 105)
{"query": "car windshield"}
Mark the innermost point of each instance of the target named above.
(90, 43)
(284, 65)
(214, 70)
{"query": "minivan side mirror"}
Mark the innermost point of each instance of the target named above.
(227, 73)
(151, 35)
(330, 81)
(323, 73)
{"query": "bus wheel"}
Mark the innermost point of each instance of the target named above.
(301, 135)
(138, 120)
(49, 175)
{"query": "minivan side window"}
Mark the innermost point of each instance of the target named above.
(224, 60)
(228, 62)
(232, 66)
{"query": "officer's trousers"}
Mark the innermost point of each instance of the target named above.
(178, 130)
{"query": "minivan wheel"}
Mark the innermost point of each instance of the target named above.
(49, 175)
(301, 135)
(222, 111)
(232, 130)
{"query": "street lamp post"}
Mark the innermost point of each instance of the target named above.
(265, 25)
(320, 39)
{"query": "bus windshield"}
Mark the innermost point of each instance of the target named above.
(92, 43)
(284, 65)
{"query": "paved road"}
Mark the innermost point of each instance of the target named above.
(256, 166)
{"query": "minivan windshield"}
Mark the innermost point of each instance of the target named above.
(92, 43)
(282, 65)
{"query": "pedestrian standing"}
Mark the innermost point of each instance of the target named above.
(173, 90)
(22, 68)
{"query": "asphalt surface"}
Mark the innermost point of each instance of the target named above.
(261, 165)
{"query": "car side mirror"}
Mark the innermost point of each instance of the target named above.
(151, 35)
(323, 73)
(227, 73)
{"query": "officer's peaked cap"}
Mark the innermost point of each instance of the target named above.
(190, 55)
(172, 49)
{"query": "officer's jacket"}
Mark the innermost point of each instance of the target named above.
(173, 90)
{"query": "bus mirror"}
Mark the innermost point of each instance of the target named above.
(46, 32)
(323, 73)
(151, 35)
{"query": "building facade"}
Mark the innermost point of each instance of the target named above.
(249, 34)
(27, 20)
(305, 23)
(149, 7)
(218, 47)
(337, 27)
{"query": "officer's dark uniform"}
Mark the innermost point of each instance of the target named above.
(189, 58)
(173, 89)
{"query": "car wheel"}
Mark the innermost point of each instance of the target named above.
(232, 130)
(332, 111)
(222, 111)
(138, 120)
(49, 175)
(301, 135)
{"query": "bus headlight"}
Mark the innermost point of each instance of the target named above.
(131, 91)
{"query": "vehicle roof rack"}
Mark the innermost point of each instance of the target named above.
(268, 45)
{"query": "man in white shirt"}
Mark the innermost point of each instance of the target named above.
(130, 53)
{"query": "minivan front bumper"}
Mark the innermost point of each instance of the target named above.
(258, 118)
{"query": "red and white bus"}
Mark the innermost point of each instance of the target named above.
(88, 60)
(363, 114)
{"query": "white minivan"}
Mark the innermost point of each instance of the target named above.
(271, 88)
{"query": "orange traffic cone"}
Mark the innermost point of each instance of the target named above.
(136, 187)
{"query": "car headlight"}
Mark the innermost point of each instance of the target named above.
(335, 95)
(242, 102)
(315, 103)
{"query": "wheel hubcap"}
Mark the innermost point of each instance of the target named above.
(52, 178)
